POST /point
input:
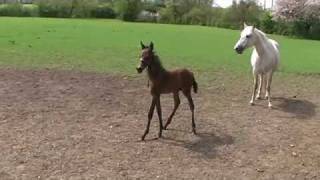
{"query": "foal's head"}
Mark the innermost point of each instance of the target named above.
(146, 57)
(247, 39)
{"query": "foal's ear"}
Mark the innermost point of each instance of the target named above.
(151, 46)
(142, 45)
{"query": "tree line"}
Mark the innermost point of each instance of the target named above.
(299, 18)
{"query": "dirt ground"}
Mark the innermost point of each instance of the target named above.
(75, 125)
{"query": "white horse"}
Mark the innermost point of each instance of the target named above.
(264, 59)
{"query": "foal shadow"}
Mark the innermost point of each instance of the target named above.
(204, 144)
(300, 109)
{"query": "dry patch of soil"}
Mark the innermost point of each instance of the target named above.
(76, 125)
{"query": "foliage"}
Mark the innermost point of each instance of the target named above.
(245, 11)
(103, 11)
(128, 10)
(29, 10)
(74, 8)
(195, 16)
(186, 11)
(16, 9)
(293, 10)
(55, 8)
(268, 25)
(302, 15)
(11, 9)
(83, 8)
(298, 18)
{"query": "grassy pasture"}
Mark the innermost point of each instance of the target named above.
(113, 46)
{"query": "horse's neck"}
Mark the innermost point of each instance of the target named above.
(156, 71)
(261, 43)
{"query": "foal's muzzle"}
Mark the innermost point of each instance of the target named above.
(139, 69)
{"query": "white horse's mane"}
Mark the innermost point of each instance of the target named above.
(261, 33)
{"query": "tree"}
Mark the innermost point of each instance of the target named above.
(128, 10)
(54, 8)
(82, 8)
(179, 11)
(303, 15)
(268, 25)
(297, 9)
(244, 11)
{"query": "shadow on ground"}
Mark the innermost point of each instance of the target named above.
(300, 109)
(204, 144)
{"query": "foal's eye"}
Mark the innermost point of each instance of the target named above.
(248, 36)
(144, 62)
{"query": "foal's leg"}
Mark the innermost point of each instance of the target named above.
(268, 88)
(261, 84)
(150, 114)
(254, 89)
(158, 105)
(176, 105)
(188, 95)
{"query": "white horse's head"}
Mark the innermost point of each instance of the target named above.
(247, 39)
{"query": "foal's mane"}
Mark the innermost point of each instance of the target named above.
(156, 62)
(155, 69)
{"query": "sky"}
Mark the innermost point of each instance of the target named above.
(226, 3)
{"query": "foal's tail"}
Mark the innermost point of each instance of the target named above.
(195, 86)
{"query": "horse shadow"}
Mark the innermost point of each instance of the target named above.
(205, 144)
(300, 109)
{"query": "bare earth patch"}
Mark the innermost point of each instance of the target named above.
(76, 125)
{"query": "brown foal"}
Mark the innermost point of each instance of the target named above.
(164, 82)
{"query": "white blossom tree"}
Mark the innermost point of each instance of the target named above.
(298, 9)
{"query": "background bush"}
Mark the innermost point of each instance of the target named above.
(55, 8)
(128, 10)
(83, 8)
(30, 10)
(268, 25)
(305, 24)
(14, 9)
(103, 11)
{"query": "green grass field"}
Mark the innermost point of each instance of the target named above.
(113, 46)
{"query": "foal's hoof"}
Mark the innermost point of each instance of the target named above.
(143, 137)
(194, 131)
(166, 125)
(270, 106)
(258, 98)
(251, 103)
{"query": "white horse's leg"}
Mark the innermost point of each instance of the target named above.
(261, 84)
(254, 89)
(268, 88)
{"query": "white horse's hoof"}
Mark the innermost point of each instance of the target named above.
(270, 106)
(258, 98)
(251, 103)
